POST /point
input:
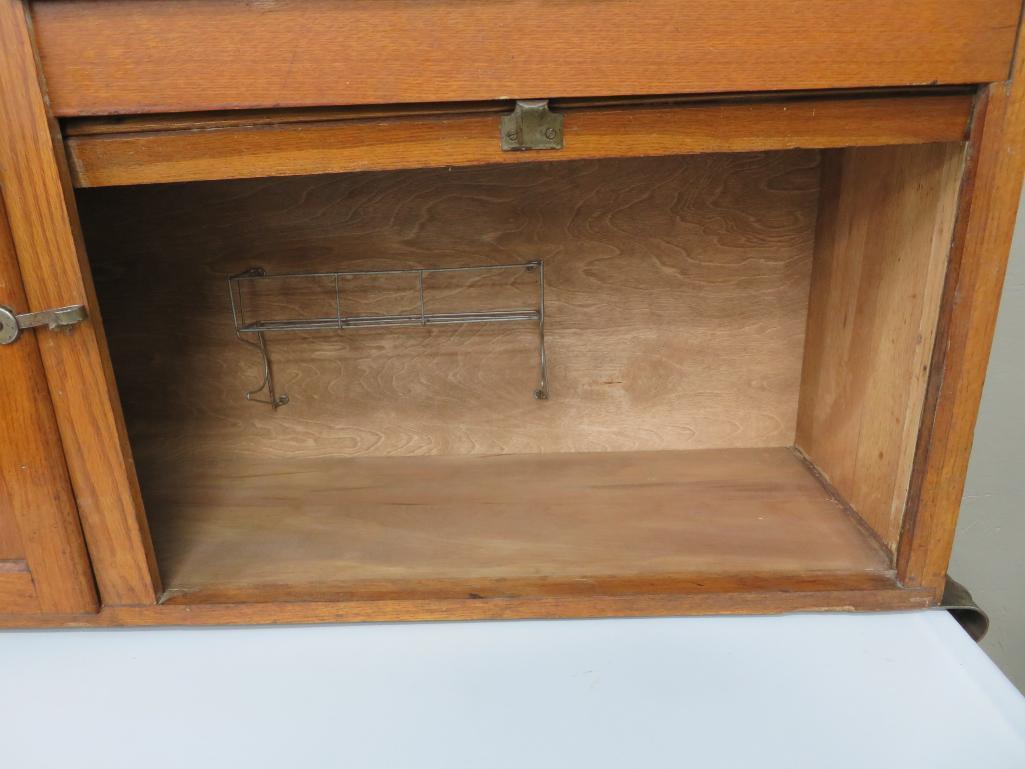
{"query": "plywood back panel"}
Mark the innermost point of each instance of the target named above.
(883, 238)
(676, 297)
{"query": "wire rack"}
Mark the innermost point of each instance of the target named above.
(256, 328)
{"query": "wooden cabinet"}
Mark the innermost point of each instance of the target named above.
(714, 345)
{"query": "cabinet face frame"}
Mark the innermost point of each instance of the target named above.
(974, 283)
(86, 410)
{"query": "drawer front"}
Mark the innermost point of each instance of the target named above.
(140, 56)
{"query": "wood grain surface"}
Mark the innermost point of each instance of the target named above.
(971, 297)
(38, 515)
(131, 56)
(882, 243)
(503, 526)
(676, 299)
(188, 148)
(10, 541)
(17, 592)
(11, 547)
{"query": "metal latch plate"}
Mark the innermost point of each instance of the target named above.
(11, 324)
(532, 126)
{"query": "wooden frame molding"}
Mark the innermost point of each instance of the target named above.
(252, 147)
(638, 605)
(143, 56)
(45, 234)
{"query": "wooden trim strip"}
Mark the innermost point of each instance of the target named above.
(256, 150)
(194, 121)
(142, 56)
(578, 588)
(122, 124)
(890, 599)
(978, 262)
(55, 273)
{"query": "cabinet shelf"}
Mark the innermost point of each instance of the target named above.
(504, 526)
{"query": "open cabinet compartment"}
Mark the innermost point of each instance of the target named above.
(737, 349)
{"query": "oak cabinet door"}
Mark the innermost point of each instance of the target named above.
(67, 468)
(43, 563)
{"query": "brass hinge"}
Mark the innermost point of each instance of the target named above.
(11, 324)
(532, 126)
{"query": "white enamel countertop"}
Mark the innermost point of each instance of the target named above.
(871, 690)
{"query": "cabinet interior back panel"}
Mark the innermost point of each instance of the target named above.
(676, 299)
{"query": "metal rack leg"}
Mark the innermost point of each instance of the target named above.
(268, 375)
(541, 393)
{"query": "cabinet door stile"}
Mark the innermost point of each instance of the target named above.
(36, 503)
(44, 232)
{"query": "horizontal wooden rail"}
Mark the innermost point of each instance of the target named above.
(108, 57)
(640, 605)
(217, 148)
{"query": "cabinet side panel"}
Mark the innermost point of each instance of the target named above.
(44, 230)
(882, 242)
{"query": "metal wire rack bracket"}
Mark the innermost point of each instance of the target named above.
(258, 328)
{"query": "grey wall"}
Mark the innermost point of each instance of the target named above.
(989, 552)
